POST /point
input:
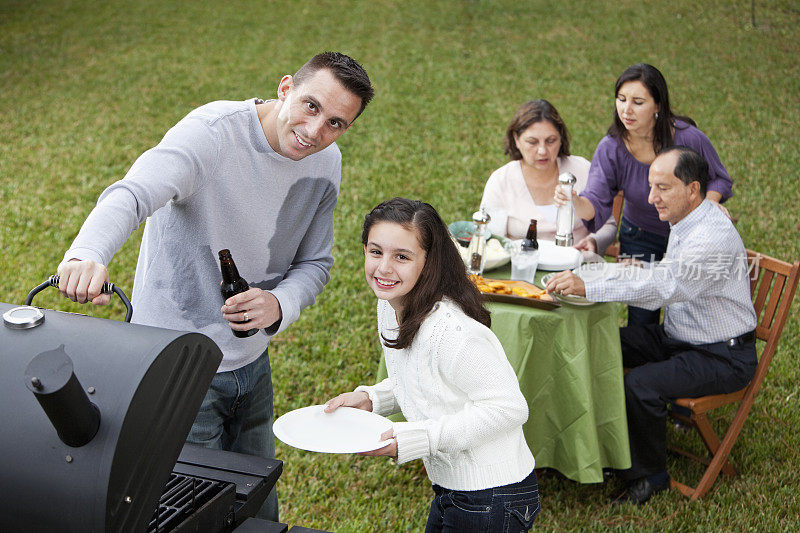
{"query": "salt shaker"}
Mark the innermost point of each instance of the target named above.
(566, 212)
(477, 245)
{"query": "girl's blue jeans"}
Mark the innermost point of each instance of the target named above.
(510, 508)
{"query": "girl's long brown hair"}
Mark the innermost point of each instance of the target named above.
(443, 274)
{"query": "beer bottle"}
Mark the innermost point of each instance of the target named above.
(232, 283)
(530, 241)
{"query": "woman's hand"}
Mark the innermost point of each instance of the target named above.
(715, 197)
(583, 207)
(560, 197)
(359, 400)
(390, 450)
(588, 244)
(722, 208)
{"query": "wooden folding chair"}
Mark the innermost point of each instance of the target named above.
(772, 286)
(616, 210)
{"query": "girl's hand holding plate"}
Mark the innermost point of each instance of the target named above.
(359, 400)
(390, 450)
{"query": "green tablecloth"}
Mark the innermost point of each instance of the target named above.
(569, 368)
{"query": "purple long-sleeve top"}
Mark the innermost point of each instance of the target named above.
(614, 169)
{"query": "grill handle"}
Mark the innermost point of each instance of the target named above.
(108, 288)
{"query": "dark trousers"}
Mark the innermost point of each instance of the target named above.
(662, 369)
(644, 246)
(511, 508)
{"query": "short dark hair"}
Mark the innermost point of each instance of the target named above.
(444, 272)
(690, 166)
(656, 85)
(345, 69)
(531, 113)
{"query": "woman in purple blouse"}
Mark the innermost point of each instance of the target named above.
(643, 125)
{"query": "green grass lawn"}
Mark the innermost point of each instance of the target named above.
(85, 87)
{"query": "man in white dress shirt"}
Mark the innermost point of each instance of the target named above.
(706, 344)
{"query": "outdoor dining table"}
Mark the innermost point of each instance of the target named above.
(569, 367)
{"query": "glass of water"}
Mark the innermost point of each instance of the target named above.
(524, 264)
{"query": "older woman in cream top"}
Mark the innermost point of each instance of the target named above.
(537, 142)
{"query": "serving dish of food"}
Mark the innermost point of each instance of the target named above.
(514, 292)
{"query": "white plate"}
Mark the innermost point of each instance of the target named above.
(587, 272)
(567, 299)
(346, 430)
(593, 271)
(558, 258)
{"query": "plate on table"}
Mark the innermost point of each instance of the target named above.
(593, 271)
(558, 258)
(567, 299)
(516, 299)
(587, 272)
(346, 430)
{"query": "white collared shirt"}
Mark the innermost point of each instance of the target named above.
(703, 280)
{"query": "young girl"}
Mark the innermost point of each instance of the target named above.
(448, 375)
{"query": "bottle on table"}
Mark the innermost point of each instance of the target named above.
(566, 213)
(477, 244)
(525, 262)
(232, 283)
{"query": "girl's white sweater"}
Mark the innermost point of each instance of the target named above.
(460, 397)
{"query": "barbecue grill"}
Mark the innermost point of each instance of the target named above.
(94, 416)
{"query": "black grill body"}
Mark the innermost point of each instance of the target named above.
(194, 504)
(254, 477)
(147, 384)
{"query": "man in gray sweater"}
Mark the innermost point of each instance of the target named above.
(258, 178)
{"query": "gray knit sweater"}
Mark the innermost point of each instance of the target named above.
(214, 182)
